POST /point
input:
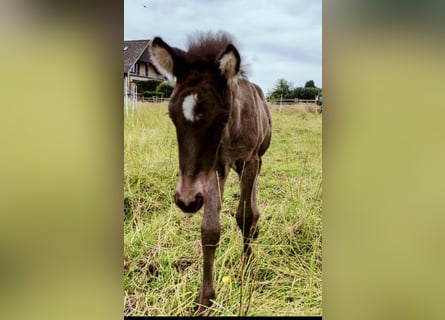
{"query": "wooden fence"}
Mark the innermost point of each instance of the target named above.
(153, 99)
(291, 101)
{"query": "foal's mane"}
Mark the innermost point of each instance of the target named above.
(206, 46)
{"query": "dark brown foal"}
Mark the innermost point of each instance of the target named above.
(222, 121)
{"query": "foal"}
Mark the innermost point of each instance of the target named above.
(222, 121)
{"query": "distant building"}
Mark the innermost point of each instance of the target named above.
(137, 64)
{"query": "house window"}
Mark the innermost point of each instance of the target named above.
(135, 68)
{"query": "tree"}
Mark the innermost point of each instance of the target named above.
(282, 88)
(297, 94)
(310, 84)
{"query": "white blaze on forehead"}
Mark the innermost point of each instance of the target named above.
(188, 107)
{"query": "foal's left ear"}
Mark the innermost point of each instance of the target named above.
(229, 62)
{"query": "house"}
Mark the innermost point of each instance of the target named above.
(137, 64)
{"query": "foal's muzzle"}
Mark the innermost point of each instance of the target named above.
(189, 206)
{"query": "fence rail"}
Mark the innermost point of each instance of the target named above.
(153, 99)
(133, 98)
(138, 98)
(311, 104)
(291, 101)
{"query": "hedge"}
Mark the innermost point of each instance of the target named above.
(166, 88)
(147, 85)
(149, 93)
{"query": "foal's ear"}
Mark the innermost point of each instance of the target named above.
(229, 62)
(166, 59)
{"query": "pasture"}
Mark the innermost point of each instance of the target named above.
(162, 245)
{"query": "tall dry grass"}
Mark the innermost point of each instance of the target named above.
(163, 260)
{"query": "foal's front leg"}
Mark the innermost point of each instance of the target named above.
(210, 234)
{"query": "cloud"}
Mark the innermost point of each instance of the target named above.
(277, 39)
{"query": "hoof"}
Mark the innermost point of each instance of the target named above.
(255, 233)
(200, 311)
(206, 294)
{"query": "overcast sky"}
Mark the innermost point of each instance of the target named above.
(277, 39)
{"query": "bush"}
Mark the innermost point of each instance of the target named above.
(149, 93)
(166, 88)
(147, 85)
(306, 93)
(309, 93)
(296, 93)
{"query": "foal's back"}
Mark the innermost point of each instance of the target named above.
(249, 131)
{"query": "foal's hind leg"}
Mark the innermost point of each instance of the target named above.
(247, 214)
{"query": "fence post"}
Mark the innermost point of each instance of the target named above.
(133, 99)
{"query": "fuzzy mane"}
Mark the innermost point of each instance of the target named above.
(206, 46)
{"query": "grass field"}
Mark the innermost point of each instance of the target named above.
(163, 259)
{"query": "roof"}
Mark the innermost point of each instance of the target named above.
(136, 50)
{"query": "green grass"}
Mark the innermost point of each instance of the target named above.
(163, 259)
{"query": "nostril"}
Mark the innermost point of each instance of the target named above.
(199, 199)
(178, 200)
(189, 207)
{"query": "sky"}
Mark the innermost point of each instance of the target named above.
(276, 39)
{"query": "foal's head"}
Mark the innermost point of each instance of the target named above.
(199, 107)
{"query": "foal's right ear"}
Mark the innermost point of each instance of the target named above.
(166, 59)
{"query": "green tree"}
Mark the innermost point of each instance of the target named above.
(282, 88)
(310, 84)
(297, 93)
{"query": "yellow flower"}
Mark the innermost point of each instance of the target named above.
(226, 279)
